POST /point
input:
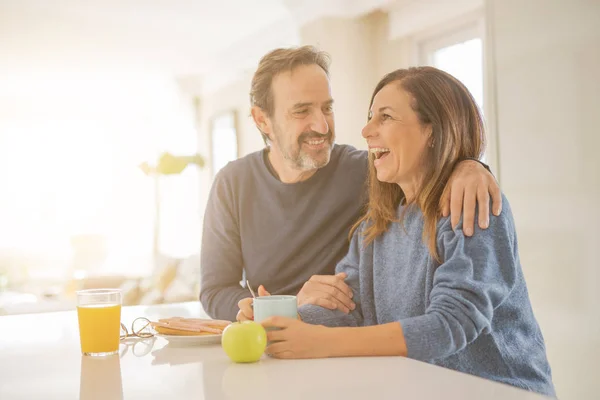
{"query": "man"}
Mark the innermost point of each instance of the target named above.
(283, 214)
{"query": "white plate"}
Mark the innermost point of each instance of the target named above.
(192, 340)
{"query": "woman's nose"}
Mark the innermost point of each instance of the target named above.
(368, 130)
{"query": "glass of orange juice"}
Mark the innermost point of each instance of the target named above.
(99, 314)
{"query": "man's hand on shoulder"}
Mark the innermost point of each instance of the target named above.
(470, 184)
(327, 291)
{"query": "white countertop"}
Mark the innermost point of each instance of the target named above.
(40, 359)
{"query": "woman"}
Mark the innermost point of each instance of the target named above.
(422, 289)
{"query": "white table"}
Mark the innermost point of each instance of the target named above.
(40, 359)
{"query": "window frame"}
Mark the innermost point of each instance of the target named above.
(427, 47)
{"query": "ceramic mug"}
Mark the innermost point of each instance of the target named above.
(275, 306)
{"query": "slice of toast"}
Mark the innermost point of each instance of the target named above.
(176, 332)
(189, 326)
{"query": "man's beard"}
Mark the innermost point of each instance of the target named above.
(302, 159)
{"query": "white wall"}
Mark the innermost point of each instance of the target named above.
(391, 53)
(547, 58)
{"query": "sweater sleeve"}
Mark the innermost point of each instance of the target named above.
(221, 254)
(317, 315)
(477, 275)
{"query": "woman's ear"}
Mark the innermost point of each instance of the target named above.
(430, 136)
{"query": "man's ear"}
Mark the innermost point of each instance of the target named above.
(261, 120)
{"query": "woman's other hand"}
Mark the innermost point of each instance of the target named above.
(297, 339)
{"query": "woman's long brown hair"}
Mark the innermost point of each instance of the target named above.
(445, 103)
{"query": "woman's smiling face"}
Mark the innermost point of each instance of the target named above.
(397, 137)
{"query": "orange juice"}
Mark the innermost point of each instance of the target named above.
(99, 327)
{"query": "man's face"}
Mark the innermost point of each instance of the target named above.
(302, 126)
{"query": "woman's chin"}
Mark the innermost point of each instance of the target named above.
(382, 176)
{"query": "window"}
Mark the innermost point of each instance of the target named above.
(460, 53)
(69, 153)
(224, 141)
(464, 61)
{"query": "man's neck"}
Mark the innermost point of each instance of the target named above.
(285, 172)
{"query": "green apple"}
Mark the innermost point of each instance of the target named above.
(244, 342)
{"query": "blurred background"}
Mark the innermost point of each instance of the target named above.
(93, 93)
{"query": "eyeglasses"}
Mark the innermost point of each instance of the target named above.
(141, 339)
(140, 328)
